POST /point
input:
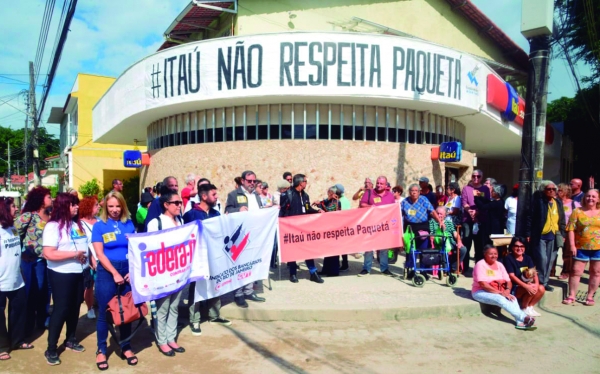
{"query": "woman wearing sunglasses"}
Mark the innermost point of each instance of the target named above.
(545, 230)
(166, 314)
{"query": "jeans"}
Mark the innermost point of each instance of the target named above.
(496, 299)
(67, 298)
(35, 276)
(246, 290)
(383, 260)
(106, 289)
(309, 263)
(13, 335)
(544, 260)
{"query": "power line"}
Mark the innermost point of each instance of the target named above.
(13, 79)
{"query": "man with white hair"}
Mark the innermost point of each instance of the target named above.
(190, 190)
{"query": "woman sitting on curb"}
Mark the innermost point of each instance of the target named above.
(522, 273)
(491, 285)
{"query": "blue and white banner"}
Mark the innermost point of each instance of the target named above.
(164, 262)
(239, 247)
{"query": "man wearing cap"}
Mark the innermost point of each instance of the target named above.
(426, 191)
(244, 199)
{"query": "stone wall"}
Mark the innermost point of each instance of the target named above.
(324, 163)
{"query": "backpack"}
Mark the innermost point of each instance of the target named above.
(160, 222)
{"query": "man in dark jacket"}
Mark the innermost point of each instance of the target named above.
(545, 230)
(155, 210)
(295, 202)
(244, 199)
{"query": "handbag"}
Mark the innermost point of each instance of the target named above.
(408, 238)
(121, 310)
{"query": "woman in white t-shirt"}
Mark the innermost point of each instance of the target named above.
(65, 247)
(454, 204)
(166, 313)
(511, 208)
(12, 286)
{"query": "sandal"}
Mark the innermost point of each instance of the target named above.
(564, 276)
(25, 346)
(569, 301)
(589, 302)
(4, 356)
(102, 365)
(130, 360)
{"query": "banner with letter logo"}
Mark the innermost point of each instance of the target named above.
(342, 232)
(239, 248)
(164, 262)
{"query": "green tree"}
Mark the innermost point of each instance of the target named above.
(48, 146)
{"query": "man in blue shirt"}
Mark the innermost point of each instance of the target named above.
(201, 211)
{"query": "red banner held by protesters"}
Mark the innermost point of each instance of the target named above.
(341, 232)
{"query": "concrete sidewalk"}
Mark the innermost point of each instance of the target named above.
(351, 298)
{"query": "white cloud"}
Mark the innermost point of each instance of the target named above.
(105, 38)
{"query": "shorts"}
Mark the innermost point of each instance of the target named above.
(88, 278)
(587, 255)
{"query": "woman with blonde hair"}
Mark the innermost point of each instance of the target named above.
(584, 240)
(110, 243)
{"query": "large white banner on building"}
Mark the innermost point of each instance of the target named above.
(163, 262)
(239, 247)
(197, 75)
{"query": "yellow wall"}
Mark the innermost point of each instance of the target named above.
(432, 20)
(93, 160)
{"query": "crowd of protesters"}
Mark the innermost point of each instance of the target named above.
(71, 251)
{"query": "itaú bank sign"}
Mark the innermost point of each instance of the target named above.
(259, 69)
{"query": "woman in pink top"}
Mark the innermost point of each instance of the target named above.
(492, 285)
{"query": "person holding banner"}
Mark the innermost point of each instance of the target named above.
(167, 307)
(205, 209)
(65, 247)
(379, 196)
(110, 243)
(294, 203)
(244, 199)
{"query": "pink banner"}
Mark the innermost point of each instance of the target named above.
(341, 232)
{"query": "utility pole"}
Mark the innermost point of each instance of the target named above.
(34, 134)
(536, 25)
(26, 144)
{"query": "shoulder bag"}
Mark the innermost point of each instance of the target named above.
(122, 310)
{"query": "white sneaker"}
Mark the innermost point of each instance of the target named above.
(526, 311)
(91, 314)
(532, 312)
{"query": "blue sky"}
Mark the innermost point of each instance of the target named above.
(107, 36)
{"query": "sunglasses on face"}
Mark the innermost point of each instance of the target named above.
(550, 189)
(177, 202)
(251, 180)
(476, 176)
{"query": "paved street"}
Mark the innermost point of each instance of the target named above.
(472, 344)
(349, 324)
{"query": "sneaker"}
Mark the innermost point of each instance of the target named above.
(526, 311)
(363, 273)
(75, 347)
(549, 288)
(195, 327)
(52, 358)
(533, 312)
(220, 321)
(91, 314)
(388, 273)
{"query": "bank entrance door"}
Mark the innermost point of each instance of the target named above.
(451, 176)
